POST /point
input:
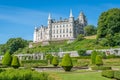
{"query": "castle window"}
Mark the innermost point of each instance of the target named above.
(60, 35)
(66, 30)
(57, 31)
(60, 30)
(63, 35)
(63, 31)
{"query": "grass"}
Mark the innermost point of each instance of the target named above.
(82, 76)
(91, 37)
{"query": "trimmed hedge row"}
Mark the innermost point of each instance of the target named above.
(34, 61)
(108, 73)
(111, 74)
(16, 74)
(101, 68)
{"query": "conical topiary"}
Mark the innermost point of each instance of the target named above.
(15, 62)
(67, 62)
(98, 60)
(7, 59)
(55, 61)
(93, 56)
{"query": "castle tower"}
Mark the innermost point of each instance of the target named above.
(82, 19)
(71, 18)
(35, 35)
(49, 27)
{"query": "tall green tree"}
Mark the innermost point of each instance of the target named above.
(90, 30)
(93, 56)
(15, 62)
(14, 44)
(109, 23)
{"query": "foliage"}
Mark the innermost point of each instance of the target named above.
(15, 62)
(55, 61)
(13, 44)
(67, 62)
(14, 74)
(90, 30)
(98, 60)
(81, 52)
(109, 27)
(7, 59)
(108, 73)
(49, 57)
(80, 37)
(93, 56)
(101, 68)
(117, 75)
(34, 63)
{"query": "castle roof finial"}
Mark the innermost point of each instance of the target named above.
(71, 15)
(49, 16)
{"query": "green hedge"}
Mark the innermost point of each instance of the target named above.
(111, 74)
(101, 68)
(34, 61)
(108, 73)
(15, 74)
(117, 75)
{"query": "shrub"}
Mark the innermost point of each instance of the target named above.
(98, 60)
(81, 52)
(108, 73)
(16, 74)
(101, 68)
(7, 59)
(93, 56)
(15, 62)
(117, 75)
(67, 62)
(55, 61)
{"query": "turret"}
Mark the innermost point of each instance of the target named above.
(82, 19)
(49, 19)
(71, 18)
(49, 27)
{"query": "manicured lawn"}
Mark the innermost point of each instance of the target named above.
(82, 76)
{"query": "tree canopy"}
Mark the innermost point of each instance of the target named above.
(109, 23)
(90, 30)
(13, 44)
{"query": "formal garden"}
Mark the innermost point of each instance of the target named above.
(95, 66)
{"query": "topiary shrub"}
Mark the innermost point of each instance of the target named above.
(93, 56)
(117, 75)
(108, 73)
(67, 62)
(98, 60)
(6, 61)
(55, 61)
(15, 62)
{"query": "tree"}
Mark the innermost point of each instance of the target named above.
(15, 62)
(98, 60)
(90, 30)
(49, 57)
(81, 52)
(80, 37)
(93, 56)
(15, 43)
(109, 23)
(67, 62)
(7, 59)
(55, 61)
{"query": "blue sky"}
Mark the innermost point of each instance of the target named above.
(19, 17)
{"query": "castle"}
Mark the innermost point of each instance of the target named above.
(67, 29)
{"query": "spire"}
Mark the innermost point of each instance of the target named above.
(49, 16)
(81, 13)
(71, 13)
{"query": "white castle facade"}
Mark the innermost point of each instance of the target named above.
(66, 29)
